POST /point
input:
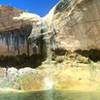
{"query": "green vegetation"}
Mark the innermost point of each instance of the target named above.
(20, 61)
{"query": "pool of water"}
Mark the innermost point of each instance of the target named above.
(51, 95)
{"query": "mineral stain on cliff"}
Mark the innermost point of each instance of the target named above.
(16, 29)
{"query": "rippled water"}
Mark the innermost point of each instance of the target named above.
(51, 95)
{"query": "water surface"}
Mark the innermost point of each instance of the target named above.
(51, 95)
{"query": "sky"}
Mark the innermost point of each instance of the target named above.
(40, 7)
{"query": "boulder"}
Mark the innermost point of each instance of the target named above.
(12, 74)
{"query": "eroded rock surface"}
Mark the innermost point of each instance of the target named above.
(15, 27)
(77, 24)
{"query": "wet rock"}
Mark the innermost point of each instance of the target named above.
(59, 59)
(3, 72)
(82, 59)
(26, 71)
(12, 74)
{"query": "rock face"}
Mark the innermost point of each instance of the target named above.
(21, 41)
(71, 25)
(77, 24)
(15, 27)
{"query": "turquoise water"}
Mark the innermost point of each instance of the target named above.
(51, 95)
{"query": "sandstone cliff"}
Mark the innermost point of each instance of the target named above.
(77, 24)
(15, 27)
(71, 25)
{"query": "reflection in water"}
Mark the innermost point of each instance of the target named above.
(48, 83)
(46, 95)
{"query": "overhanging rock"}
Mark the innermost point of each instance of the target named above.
(15, 27)
(77, 23)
